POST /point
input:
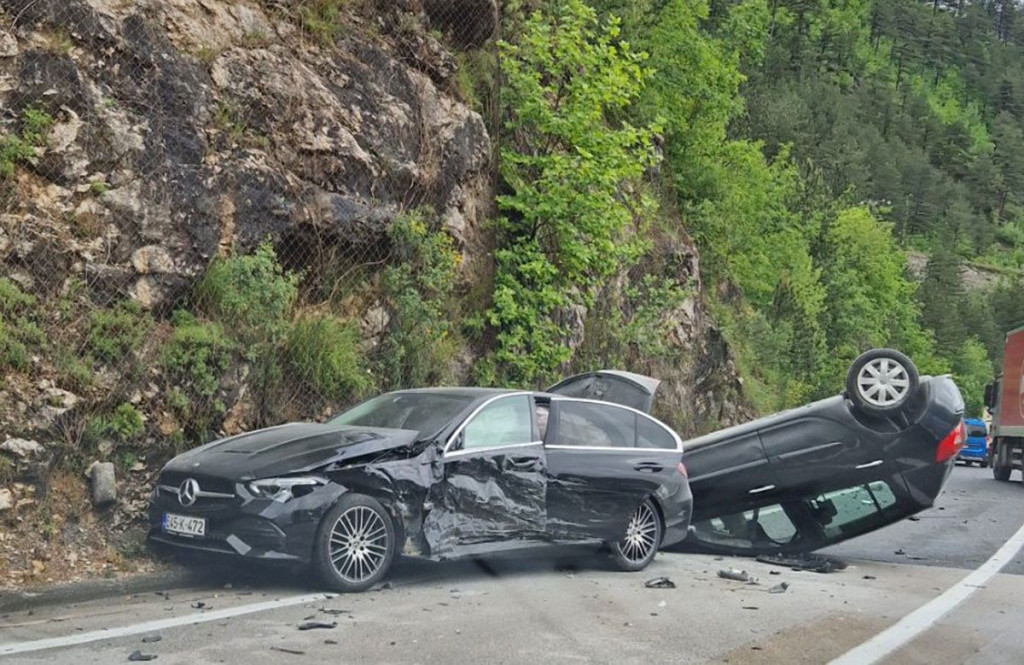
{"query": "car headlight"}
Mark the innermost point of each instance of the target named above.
(283, 489)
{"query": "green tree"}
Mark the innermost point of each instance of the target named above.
(573, 200)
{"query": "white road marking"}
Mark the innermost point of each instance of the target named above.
(926, 616)
(154, 626)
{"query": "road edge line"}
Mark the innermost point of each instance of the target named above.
(917, 622)
(156, 625)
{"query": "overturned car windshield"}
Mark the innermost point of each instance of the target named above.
(423, 412)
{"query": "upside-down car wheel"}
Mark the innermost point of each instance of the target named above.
(881, 382)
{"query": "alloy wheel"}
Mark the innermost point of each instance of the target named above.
(359, 544)
(883, 382)
(641, 535)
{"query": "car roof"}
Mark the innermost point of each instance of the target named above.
(974, 421)
(459, 391)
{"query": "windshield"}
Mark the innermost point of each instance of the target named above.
(425, 413)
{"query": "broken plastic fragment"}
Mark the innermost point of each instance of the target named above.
(310, 625)
(817, 563)
(660, 583)
(779, 588)
(149, 639)
(138, 656)
(737, 575)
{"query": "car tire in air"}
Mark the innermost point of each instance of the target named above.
(641, 539)
(881, 382)
(355, 544)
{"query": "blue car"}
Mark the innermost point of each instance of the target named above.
(976, 446)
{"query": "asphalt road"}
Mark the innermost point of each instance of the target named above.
(573, 608)
(971, 518)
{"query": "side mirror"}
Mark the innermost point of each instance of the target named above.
(990, 390)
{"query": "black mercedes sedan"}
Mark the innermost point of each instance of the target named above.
(439, 473)
(823, 473)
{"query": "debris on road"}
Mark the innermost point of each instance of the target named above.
(660, 583)
(150, 639)
(817, 563)
(869, 577)
(310, 625)
(137, 656)
(779, 588)
(737, 575)
(200, 605)
(333, 612)
(294, 652)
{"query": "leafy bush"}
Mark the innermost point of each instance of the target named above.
(322, 18)
(114, 334)
(194, 359)
(19, 331)
(123, 424)
(572, 176)
(20, 148)
(252, 294)
(196, 355)
(326, 353)
(419, 290)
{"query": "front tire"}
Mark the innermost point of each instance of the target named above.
(881, 382)
(641, 540)
(355, 544)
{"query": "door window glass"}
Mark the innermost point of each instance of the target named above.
(852, 509)
(761, 527)
(585, 424)
(504, 422)
(650, 434)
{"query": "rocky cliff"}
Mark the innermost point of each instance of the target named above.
(139, 140)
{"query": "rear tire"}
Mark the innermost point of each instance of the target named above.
(638, 545)
(881, 382)
(968, 463)
(355, 544)
(1001, 473)
(983, 464)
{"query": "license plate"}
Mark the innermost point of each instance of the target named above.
(184, 525)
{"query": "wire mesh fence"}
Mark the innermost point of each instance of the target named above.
(217, 215)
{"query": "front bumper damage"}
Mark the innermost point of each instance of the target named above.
(245, 525)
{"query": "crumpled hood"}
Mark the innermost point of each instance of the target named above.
(290, 448)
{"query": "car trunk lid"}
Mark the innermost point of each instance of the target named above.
(624, 388)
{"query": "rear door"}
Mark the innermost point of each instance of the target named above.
(603, 461)
(814, 453)
(495, 479)
(729, 472)
(624, 388)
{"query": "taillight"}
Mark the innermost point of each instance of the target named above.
(952, 444)
(681, 468)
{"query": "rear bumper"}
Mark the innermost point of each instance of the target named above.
(677, 510)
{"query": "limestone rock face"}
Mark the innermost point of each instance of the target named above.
(186, 127)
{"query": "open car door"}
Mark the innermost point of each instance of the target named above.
(606, 385)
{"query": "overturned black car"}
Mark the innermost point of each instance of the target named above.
(813, 476)
(439, 473)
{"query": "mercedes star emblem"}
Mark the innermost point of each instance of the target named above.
(188, 491)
